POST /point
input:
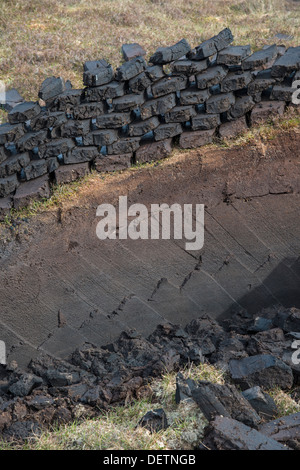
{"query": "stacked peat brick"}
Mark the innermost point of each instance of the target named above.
(137, 113)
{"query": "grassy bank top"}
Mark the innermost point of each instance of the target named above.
(42, 38)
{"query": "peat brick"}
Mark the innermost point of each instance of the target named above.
(180, 114)
(205, 121)
(242, 105)
(88, 110)
(74, 128)
(212, 76)
(262, 81)
(266, 110)
(154, 151)
(212, 46)
(3, 154)
(287, 63)
(68, 173)
(154, 420)
(48, 120)
(8, 185)
(111, 90)
(225, 400)
(232, 129)
(155, 72)
(233, 55)
(10, 98)
(113, 162)
(263, 370)
(189, 67)
(32, 139)
(166, 131)
(169, 85)
(130, 51)
(52, 87)
(165, 55)
(10, 132)
(131, 68)
(158, 106)
(23, 112)
(285, 430)
(236, 81)
(263, 403)
(282, 93)
(139, 83)
(35, 169)
(140, 128)
(58, 147)
(33, 190)
(97, 73)
(81, 154)
(14, 164)
(66, 102)
(124, 146)
(6, 204)
(220, 103)
(193, 96)
(112, 120)
(195, 139)
(128, 102)
(229, 434)
(260, 59)
(104, 137)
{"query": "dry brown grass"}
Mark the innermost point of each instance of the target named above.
(40, 38)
